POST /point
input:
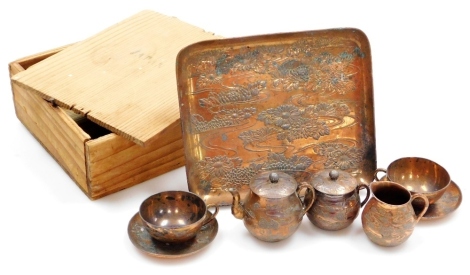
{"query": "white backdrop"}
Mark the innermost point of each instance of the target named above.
(420, 59)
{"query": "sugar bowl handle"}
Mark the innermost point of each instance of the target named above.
(364, 186)
(378, 170)
(309, 188)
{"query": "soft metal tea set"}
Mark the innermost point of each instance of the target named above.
(281, 126)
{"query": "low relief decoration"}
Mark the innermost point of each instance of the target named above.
(225, 172)
(339, 156)
(282, 107)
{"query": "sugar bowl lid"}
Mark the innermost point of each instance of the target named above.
(273, 184)
(334, 182)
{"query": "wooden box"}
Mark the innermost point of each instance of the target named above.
(106, 108)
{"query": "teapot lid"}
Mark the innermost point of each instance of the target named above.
(334, 182)
(274, 185)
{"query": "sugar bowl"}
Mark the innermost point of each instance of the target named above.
(272, 210)
(337, 201)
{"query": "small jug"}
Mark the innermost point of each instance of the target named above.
(272, 210)
(337, 200)
(388, 219)
(418, 175)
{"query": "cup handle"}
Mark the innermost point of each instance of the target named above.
(362, 186)
(308, 188)
(426, 205)
(378, 170)
(212, 216)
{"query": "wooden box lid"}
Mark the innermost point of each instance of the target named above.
(122, 78)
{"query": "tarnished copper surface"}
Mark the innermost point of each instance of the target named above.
(273, 212)
(141, 239)
(272, 185)
(419, 176)
(289, 101)
(337, 199)
(174, 216)
(333, 182)
(388, 219)
(447, 204)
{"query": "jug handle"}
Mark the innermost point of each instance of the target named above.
(364, 186)
(426, 205)
(309, 189)
(378, 170)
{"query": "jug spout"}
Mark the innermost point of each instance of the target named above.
(237, 208)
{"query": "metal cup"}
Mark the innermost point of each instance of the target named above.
(175, 216)
(419, 176)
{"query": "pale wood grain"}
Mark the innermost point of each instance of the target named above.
(106, 188)
(123, 78)
(99, 166)
(56, 131)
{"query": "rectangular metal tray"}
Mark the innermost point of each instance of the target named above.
(290, 101)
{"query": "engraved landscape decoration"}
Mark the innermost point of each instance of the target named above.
(292, 106)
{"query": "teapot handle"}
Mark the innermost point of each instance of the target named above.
(378, 170)
(309, 189)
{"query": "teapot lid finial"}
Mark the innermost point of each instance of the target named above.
(334, 174)
(274, 177)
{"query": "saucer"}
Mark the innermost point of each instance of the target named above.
(446, 204)
(449, 201)
(141, 239)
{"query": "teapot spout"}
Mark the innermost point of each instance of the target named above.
(237, 208)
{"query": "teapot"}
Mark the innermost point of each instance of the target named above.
(272, 210)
